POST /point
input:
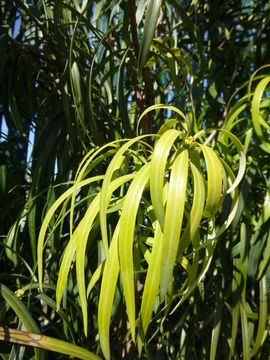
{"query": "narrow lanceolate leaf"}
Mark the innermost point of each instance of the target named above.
(196, 212)
(216, 331)
(245, 334)
(95, 277)
(65, 267)
(151, 285)
(262, 327)
(158, 168)
(46, 343)
(84, 229)
(90, 160)
(255, 106)
(207, 259)
(214, 181)
(32, 226)
(173, 218)
(46, 221)
(236, 308)
(78, 243)
(19, 308)
(107, 291)
(150, 24)
(266, 256)
(78, 96)
(242, 159)
(184, 122)
(240, 151)
(21, 311)
(126, 234)
(104, 199)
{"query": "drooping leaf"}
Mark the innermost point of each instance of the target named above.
(46, 343)
(107, 292)
(173, 218)
(126, 239)
(152, 14)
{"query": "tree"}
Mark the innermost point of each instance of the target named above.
(148, 223)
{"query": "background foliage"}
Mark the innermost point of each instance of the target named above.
(78, 74)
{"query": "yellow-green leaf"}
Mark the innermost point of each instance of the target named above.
(46, 343)
(150, 24)
(151, 286)
(158, 167)
(214, 181)
(46, 221)
(126, 234)
(173, 218)
(108, 285)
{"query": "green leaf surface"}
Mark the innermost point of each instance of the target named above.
(150, 24)
(196, 212)
(255, 105)
(107, 291)
(46, 343)
(82, 231)
(263, 312)
(126, 239)
(19, 308)
(214, 181)
(47, 219)
(151, 286)
(104, 199)
(173, 218)
(158, 169)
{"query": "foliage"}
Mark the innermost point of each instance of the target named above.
(163, 212)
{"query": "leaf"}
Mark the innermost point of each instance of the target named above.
(78, 94)
(236, 308)
(151, 285)
(104, 199)
(47, 219)
(216, 331)
(240, 151)
(21, 311)
(46, 343)
(168, 124)
(32, 225)
(90, 160)
(65, 267)
(173, 218)
(255, 106)
(263, 312)
(242, 159)
(209, 250)
(245, 334)
(19, 308)
(107, 291)
(126, 235)
(14, 108)
(196, 212)
(266, 256)
(157, 174)
(82, 231)
(10, 240)
(95, 277)
(214, 181)
(152, 14)
(184, 122)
